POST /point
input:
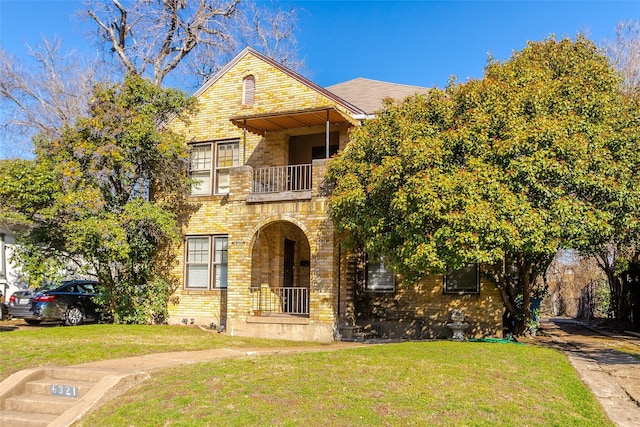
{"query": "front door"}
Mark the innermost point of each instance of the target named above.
(289, 267)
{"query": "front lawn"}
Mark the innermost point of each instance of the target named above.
(407, 384)
(430, 383)
(58, 345)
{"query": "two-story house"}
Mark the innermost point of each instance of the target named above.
(260, 257)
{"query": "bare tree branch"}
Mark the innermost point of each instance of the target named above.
(207, 32)
(625, 53)
(42, 98)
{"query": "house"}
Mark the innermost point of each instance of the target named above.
(10, 275)
(260, 257)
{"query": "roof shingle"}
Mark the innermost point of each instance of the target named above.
(368, 94)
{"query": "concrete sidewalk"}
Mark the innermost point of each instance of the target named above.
(612, 375)
(151, 362)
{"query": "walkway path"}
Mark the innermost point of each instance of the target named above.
(151, 362)
(612, 375)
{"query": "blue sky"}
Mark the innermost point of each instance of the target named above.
(411, 42)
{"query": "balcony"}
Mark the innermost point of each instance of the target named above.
(292, 182)
(287, 183)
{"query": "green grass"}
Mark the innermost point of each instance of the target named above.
(430, 383)
(57, 345)
(407, 384)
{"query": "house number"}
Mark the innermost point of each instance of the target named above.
(239, 242)
(64, 390)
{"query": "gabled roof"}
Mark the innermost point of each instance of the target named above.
(352, 109)
(349, 102)
(368, 94)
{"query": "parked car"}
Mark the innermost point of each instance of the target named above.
(72, 302)
(4, 309)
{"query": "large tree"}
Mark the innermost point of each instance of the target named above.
(108, 197)
(187, 40)
(154, 38)
(501, 171)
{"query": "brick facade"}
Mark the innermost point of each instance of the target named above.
(257, 229)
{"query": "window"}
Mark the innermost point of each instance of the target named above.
(227, 155)
(463, 281)
(378, 277)
(220, 260)
(203, 272)
(197, 262)
(248, 91)
(201, 169)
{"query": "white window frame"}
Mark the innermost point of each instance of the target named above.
(214, 255)
(209, 170)
(378, 278)
(470, 287)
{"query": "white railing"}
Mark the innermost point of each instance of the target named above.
(280, 179)
(267, 300)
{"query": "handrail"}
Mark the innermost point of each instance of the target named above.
(279, 179)
(267, 300)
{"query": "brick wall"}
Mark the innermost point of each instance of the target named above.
(256, 229)
(250, 227)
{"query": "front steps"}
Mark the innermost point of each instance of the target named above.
(54, 396)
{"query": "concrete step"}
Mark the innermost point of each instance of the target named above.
(25, 419)
(58, 396)
(75, 374)
(51, 405)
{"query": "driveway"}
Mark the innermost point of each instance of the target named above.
(604, 362)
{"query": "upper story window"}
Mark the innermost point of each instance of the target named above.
(379, 278)
(248, 91)
(210, 164)
(463, 281)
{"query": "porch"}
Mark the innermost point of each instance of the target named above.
(267, 301)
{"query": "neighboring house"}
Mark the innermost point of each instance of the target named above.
(10, 276)
(260, 257)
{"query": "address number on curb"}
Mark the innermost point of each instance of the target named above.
(64, 390)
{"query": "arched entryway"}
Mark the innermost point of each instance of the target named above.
(280, 270)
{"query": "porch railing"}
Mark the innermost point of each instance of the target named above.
(268, 300)
(280, 179)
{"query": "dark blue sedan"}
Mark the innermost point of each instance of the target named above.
(73, 302)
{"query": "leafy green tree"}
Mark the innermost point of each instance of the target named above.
(109, 196)
(616, 249)
(501, 171)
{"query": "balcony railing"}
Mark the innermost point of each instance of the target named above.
(281, 179)
(268, 300)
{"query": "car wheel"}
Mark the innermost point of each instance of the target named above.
(32, 322)
(73, 316)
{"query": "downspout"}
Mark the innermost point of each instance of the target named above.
(244, 143)
(327, 136)
(339, 275)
